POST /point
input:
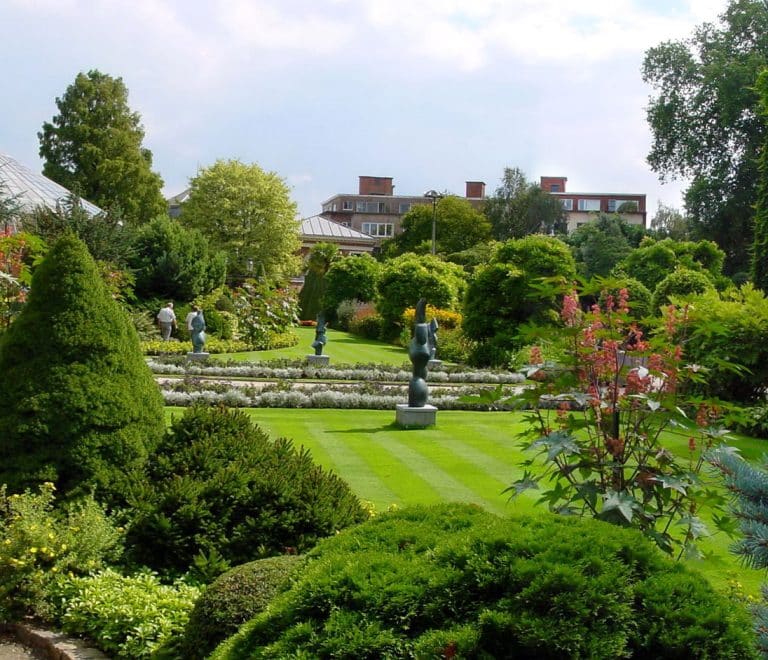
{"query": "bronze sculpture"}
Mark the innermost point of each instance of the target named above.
(320, 338)
(418, 352)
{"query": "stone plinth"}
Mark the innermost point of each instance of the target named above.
(197, 357)
(318, 360)
(434, 364)
(420, 417)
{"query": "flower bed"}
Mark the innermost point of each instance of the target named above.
(369, 396)
(296, 370)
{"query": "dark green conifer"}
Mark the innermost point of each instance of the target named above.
(78, 405)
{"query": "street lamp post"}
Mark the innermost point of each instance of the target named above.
(434, 196)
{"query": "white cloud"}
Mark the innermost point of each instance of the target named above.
(470, 35)
(267, 26)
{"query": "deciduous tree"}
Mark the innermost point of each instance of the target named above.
(458, 226)
(247, 212)
(705, 123)
(520, 208)
(93, 147)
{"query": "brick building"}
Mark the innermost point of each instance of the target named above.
(376, 210)
(581, 207)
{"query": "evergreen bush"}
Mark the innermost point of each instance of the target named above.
(235, 597)
(218, 483)
(454, 581)
(78, 405)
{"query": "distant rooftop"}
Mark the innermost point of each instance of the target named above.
(322, 227)
(32, 190)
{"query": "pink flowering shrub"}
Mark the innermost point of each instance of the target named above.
(600, 425)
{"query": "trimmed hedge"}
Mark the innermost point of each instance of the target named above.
(232, 599)
(454, 581)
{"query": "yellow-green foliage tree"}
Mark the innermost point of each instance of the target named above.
(78, 405)
(248, 213)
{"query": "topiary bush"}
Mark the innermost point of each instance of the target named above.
(235, 597)
(217, 483)
(682, 282)
(78, 405)
(454, 581)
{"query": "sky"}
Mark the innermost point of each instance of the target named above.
(432, 93)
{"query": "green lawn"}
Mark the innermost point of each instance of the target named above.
(467, 457)
(342, 348)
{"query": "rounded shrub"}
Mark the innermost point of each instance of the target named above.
(78, 405)
(682, 282)
(454, 581)
(232, 599)
(639, 300)
(219, 484)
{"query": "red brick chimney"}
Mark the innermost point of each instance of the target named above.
(376, 185)
(555, 184)
(475, 189)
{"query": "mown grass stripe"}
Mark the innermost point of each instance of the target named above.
(447, 487)
(352, 461)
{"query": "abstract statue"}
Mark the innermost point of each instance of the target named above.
(433, 339)
(418, 351)
(198, 332)
(320, 339)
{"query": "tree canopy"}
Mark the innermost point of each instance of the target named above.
(248, 213)
(458, 226)
(93, 147)
(409, 277)
(706, 126)
(602, 243)
(350, 278)
(174, 262)
(759, 270)
(507, 292)
(519, 208)
(654, 260)
(319, 260)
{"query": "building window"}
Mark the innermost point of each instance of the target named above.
(589, 205)
(404, 207)
(567, 204)
(554, 187)
(623, 205)
(375, 207)
(360, 207)
(346, 205)
(377, 228)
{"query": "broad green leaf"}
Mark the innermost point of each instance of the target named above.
(526, 482)
(621, 503)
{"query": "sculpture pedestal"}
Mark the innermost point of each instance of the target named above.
(197, 356)
(318, 360)
(434, 364)
(410, 417)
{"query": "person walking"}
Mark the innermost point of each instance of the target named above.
(190, 316)
(166, 318)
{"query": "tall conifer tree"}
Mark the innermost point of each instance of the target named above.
(78, 405)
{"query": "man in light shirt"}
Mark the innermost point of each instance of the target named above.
(166, 318)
